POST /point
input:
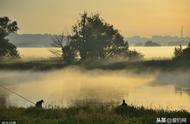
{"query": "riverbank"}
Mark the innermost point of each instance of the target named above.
(87, 114)
(52, 64)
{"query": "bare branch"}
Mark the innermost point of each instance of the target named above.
(56, 52)
(60, 41)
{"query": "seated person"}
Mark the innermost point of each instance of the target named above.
(39, 104)
(124, 103)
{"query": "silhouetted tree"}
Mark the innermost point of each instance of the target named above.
(182, 54)
(94, 38)
(178, 51)
(6, 27)
(132, 54)
(67, 50)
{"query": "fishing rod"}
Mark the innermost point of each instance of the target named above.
(26, 99)
(7, 89)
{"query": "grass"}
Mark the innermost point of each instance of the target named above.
(143, 65)
(88, 115)
(40, 65)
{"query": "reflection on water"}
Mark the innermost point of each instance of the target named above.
(65, 87)
(148, 52)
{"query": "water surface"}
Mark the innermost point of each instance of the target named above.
(65, 87)
(148, 52)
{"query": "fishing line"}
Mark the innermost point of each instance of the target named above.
(7, 89)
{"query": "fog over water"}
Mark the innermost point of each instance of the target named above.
(67, 86)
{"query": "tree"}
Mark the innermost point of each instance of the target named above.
(182, 54)
(131, 55)
(67, 50)
(178, 51)
(94, 38)
(6, 27)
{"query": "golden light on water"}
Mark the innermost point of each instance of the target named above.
(148, 52)
(65, 87)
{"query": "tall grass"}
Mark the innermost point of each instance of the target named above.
(87, 114)
(143, 65)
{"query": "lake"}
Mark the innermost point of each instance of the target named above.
(66, 87)
(63, 88)
(148, 52)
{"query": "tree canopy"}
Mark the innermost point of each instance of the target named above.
(6, 27)
(94, 38)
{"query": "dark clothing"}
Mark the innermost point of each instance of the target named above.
(124, 103)
(123, 109)
(39, 104)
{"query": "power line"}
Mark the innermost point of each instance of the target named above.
(5, 88)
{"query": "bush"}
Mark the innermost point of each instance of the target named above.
(182, 54)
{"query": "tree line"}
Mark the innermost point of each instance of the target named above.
(91, 38)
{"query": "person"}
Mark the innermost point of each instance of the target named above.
(39, 104)
(123, 109)
(124, 103)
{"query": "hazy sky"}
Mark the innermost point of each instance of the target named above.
(131, 17)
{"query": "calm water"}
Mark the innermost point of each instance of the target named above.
(67, 86)
(148, 52)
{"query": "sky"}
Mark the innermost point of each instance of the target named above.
(130, 17)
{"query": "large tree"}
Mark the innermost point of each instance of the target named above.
(6, 27)
(94, 38)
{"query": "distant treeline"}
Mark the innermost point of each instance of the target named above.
(44, 40)
(162, 40)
